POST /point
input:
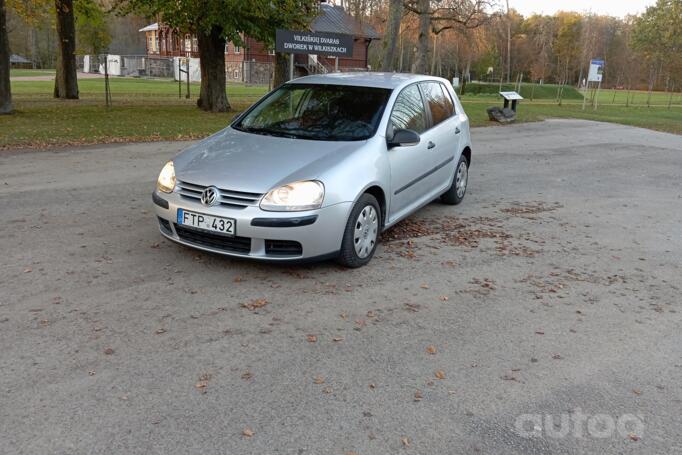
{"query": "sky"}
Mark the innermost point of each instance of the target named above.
(618, 8)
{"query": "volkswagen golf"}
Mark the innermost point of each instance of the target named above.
(318, 168)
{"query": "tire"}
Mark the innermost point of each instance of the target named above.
(455, 194)
(362, 231)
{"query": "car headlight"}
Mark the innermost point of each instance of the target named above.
(297, 196)
(166, 181)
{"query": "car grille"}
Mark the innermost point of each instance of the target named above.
(283, 248)
(217, 241)
(228, 198)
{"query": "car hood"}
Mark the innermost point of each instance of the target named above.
(255, 163)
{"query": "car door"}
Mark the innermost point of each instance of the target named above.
(407, 163)
(442, 136)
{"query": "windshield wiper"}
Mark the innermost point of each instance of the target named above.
(270, 132)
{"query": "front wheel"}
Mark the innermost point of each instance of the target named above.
(455, 194)
(362, 233)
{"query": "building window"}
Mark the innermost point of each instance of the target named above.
(237, 49)
(271, 52)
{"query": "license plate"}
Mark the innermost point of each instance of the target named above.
(222, 225)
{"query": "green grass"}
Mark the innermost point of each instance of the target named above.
(655, 118)
(28, 72)
(142, 110)
(538, 92)
(145, 110)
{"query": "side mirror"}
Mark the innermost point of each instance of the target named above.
(403, 138)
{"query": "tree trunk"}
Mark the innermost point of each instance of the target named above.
(5, 89)
(66, 79)
(420, 65)
(281, 69)
(395, 14)
(508, 44)
(212, 96)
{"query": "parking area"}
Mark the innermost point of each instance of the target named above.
(540, 316)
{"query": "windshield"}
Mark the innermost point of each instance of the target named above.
(318, 112)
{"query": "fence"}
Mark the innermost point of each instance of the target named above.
(128, 65)
(248, 72)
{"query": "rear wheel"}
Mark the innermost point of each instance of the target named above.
(362, 233)
(455, 194)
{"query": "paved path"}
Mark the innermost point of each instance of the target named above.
(554, 290)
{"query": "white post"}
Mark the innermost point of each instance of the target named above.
(585, 91)
(291, 66)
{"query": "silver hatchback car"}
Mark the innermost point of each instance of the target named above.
(318, 168)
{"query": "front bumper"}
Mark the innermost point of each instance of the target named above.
(259, 234)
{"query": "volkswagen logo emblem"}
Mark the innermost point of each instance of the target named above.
(210, 196)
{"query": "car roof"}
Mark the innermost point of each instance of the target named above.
(365, 79)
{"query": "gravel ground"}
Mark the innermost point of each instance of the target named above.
(552, 293)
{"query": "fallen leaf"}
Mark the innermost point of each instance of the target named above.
(312, 338)
(237, 279)
(28, 270)
(405, 441)
(160, 331)
(633, 437)
(318, 380)
(418, 395)
(440, 374)
(337, 339)
(444, 298)
(424, 286)
(431, 349)
(247, 375)
(327, 390)
(372, 386)
(255, 304)
(248, 432)
(108, 351)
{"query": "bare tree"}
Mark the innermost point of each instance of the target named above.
(509, 39)
(395, 14)
(441, 15)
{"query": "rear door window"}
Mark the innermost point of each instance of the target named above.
(438, 103)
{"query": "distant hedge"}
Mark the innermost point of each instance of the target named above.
(545, 91)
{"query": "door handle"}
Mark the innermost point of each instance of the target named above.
(457, 130)
(431, 145)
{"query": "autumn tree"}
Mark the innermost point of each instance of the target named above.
(5, 89)
(92, 28)
(215, 22)
(657, 35)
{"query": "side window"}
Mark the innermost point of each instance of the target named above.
(408, 111)
(438, 104)
(448, 99)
